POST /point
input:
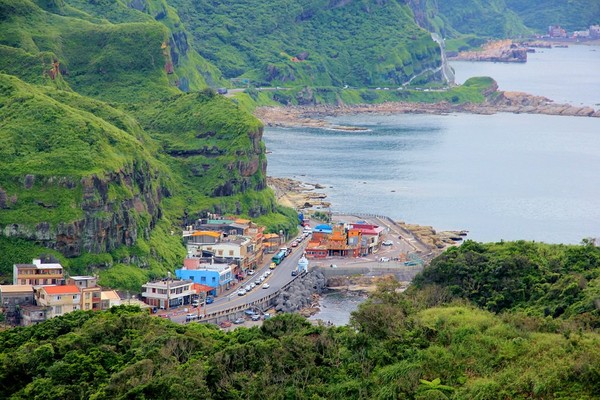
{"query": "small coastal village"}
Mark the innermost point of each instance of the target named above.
(222, 252)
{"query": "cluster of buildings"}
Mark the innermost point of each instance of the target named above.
(557, 32)
(220, 253)
(344, 240)
(41, 291)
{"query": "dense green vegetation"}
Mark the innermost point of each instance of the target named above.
(537, 279)
(571, 15)
(101, 148)
(317, 43)
(427, 343)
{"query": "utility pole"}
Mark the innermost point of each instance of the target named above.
(168, 290)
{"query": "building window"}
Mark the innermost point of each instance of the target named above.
(87, 295)
(203, 279)
(214, 279)
(58, 310)
(58, 297)
(230, 252)
(220, 252)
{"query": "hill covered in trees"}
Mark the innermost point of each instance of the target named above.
(431, 342)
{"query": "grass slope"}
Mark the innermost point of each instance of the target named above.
(319, 43)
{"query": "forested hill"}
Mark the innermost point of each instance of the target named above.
(470, 22)
(316, 43)
(430, 342)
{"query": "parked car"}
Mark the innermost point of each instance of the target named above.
(210, 300)
(294, 244)
(384, 259)
(222, 90)
(195, 303)
(190, 317)
(241, 292)
(251, 272)
(249, 312)
(225, 324)
(387, 243)
(294, 272)
(272, 265)
(255, 317)
(248, 288)
(266, 286)
(239, 321)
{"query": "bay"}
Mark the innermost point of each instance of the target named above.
(502, 177)
(564, 75)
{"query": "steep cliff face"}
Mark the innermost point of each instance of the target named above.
(218, 145)
(70, 180)
(106, 223)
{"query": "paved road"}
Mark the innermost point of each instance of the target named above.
(232, 92)
(279, 277)
(283, 273)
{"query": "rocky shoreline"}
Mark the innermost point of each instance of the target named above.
(495, 51)
(500, 102)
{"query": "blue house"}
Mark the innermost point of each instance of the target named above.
(218, 276)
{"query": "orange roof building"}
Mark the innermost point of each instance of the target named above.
(60, 299)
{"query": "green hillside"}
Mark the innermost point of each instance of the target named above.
(571, 15)
(454, 19)
(538, 279)
(103, 155)
(316, 43)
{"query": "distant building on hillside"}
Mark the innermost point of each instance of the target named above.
(38, 273)
(556, 31)
(594, 31)
(12, 298)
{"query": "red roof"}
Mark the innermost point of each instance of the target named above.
(65, 289)
(197, 287)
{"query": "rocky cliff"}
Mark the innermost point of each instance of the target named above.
(106, 222)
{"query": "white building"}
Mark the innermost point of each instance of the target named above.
(168, 293)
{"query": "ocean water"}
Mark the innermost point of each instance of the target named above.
(501, 177)
(336, 307)
(566, 75)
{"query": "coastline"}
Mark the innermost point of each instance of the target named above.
(308, 198)
(505, 102)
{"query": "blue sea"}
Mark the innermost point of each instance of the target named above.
(501, 177)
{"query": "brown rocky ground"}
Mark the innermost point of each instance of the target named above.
(497, 51)
(296, 194)
(510, 102)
